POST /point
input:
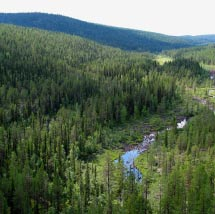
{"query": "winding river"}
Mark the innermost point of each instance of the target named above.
(129, 156)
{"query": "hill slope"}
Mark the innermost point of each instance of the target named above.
(203, 54)
(125, 39)
(72, 69)
(200, 39)
(60, 97)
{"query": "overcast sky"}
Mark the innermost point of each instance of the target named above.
(174, 17)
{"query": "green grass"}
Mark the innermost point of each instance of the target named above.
(200, 92)
(161, 59)
(208, 67)
(211, 92)
(100, 161)
(205, 93)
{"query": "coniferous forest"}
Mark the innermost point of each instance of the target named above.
(70, 108)
(124, 38)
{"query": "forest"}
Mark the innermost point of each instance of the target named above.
(65, 103)
(202, 54)
(126, 39)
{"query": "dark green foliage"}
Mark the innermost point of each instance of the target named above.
(203, 54)
(59, 97)
(186, 68)
(188, 182)
(125, 39)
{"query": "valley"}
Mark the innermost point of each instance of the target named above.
(93, 128)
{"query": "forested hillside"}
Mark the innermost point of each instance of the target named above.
(59, 94)
(64, 105)
(125, 39)
(180, 168)
(203, 54)
(189, 68)
(201, 39)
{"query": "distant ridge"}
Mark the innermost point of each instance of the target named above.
(126, 39)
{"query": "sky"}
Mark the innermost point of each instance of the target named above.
(172, 17)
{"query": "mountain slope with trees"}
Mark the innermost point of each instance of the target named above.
(125, 39)
(61, 99)
(203, 54)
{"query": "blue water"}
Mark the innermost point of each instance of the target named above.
(129, 157)
(129, 164)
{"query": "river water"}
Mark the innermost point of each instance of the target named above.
(129, 156)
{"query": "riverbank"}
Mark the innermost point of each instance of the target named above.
(130, 135)
(133, 151)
